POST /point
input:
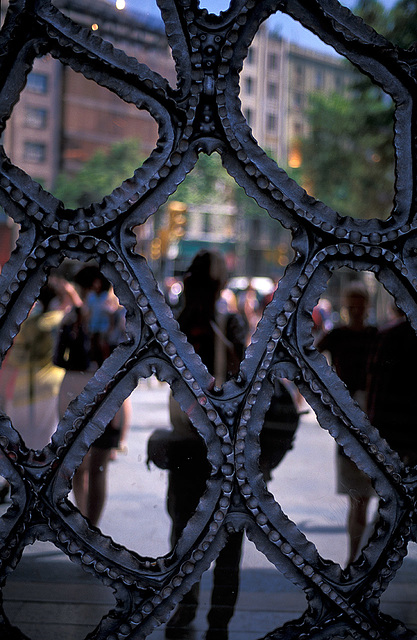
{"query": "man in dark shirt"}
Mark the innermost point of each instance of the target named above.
(391, 400)
(350, 347)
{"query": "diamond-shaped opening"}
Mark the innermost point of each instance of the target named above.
(137, 30)
(344, 292)
(398, 601)
(143, 479)
(31, 138)
(74, 137)
(71, 329)
(337, 510)
(29, 379)
(135, 511)
(258, 576)
(245, 249)
(47, 593)
(238, 594)
(313, 491)
(325, 123)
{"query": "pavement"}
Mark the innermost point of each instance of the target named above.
(49, 597)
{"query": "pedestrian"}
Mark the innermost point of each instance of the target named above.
(392, 384)
(219, 339)
(350, 347)
(29, 380)
(82, 346)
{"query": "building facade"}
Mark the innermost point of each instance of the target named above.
(277, 79)
(62, 117)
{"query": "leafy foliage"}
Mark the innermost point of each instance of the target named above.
(348, 157)
(102, 173)
(398, 24)
(208, 183)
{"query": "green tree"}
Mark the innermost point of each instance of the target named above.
(402, 23)
(208, 183)
(348, 156)
(374, 14)
(398, 24)
(103, 172)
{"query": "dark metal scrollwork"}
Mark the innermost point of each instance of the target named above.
(201, 115)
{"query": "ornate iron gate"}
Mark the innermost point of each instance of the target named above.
(199, 116)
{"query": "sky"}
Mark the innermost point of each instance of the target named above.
(287, 27)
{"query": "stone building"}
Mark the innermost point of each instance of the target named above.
(277, 78)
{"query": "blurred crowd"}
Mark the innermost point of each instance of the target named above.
(77, 322)
(70, 330)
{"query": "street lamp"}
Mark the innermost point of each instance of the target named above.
(120, 4)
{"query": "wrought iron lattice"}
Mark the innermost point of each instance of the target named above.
(201, 115)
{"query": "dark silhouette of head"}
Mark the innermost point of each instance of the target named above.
(203, 283)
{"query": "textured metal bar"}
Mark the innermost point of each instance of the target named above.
(203, 114)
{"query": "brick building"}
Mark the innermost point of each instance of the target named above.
(62, 118)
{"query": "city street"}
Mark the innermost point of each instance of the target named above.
(46, 589)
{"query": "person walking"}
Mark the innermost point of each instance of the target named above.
(350, 347)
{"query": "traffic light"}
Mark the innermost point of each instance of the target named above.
(163, 235)
(278, 254)
(282, 254)
(177, 219)
(156, 249)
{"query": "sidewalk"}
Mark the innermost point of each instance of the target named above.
(49, 597)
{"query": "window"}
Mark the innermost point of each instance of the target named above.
(319, 79)
(272, 61)
(206, 222)
(298, 75)
(298, 129)
(35, 152)
(249, 85)
(272, 90)
(271, 122)
(251, 55)
(297, 99)
(37, 82)
(35, 117)
(249, 116)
